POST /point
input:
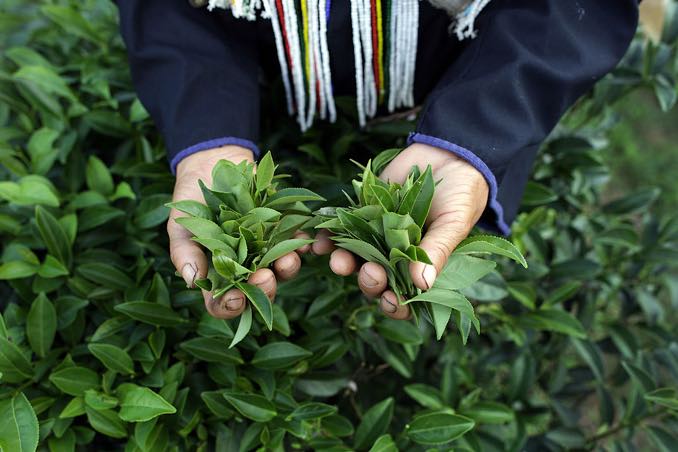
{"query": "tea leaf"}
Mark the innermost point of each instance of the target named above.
(356, 226)
(106, 422)
(200, 227)
(141, 404)
(417, 200)
(292, 195)
(152, 313)
(374, 423)
(438, 428)
(425, 395)
(279, 355)
(17, 270)
(74, 408)
(449, 298)
(227, 267)
(98, 177)
(41, 325)
(489, 413)
(260, 302)
(400, 332)
(489, 244)
(362, 249)
(667, 397)
(244, 326)
(55, 238)
(281, 249)
(75, 380)
(114, 358)
(212, 349)
(462, 271)
(252, 406)
(384, 444)
(312, 410)
(554, 320)
(99, 401)
(19, 430)
(52, 268)
(13, 363)
(265, 170)
(105, 275)
(440, 314)
(193, 208)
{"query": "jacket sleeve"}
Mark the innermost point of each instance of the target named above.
(195, 71)
(500, 99)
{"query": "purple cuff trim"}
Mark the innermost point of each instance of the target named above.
(478, 164)
(209, 144)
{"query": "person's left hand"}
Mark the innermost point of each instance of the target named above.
(458, 202)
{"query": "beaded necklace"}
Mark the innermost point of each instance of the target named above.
(384, 34)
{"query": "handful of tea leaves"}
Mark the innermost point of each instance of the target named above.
(246, 224)
(385, 224)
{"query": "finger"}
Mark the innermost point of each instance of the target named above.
(228, 306)
(372, 279)
(390, 306)
(265, 280)
(342, 262)
(442, 237)
(323, 243)
(187, 257)
(303, 235)
(287, 266)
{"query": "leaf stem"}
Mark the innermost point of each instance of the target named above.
(626, 424)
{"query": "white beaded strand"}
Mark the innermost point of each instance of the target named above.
(393, 55)
(310, 77)
(326, 86)
(412, 53)
(370, 86)
(314, 38)
(271, 10)
(357, 56)
(403, 27)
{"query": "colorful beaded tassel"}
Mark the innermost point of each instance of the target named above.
(384, 36)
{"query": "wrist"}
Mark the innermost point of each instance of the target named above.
(422, 155)
(446, 164)
(206, 159)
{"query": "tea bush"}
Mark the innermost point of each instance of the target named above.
(103, 348)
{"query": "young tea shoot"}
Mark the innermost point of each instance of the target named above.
(385, 224)
(245, 224)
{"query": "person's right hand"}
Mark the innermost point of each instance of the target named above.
(187, 256)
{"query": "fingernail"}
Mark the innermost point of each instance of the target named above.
(429, 275)
(233, 303)
(387, 306)
(188, 272)
(368, 280)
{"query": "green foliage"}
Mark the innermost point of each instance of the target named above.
(102, 347)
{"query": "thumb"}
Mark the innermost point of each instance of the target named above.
(442, 237)
(186, 255)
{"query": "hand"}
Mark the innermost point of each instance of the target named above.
(187, 256)
(459, 201)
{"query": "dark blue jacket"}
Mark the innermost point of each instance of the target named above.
(491, 100)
